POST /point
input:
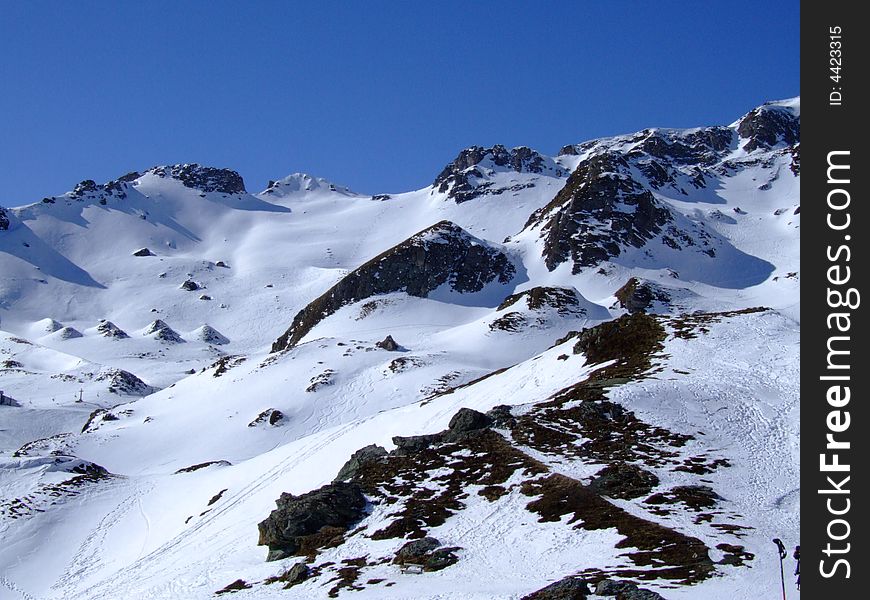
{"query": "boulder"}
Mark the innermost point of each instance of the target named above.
(623, 480)
(143, 252)
(336, 506)
(467, 419)
(296, 575)
(414, 443)
(569, 588)
(625, 590)
(388, 344)
(367, 454)
(190, 286)
(416, 551)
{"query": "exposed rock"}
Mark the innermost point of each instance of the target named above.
(68, 333)
(639, 296)
(427, 553)
(272, 416)
(190, 286)
(238, 584)
(364, 455)
(467, 419)
(295, 575)
(222, 264)
(96, 418)
(600, 211)
(501, 416)
(416, 551)
(197, 467)
(4, 219)
(110, 330)
(50, 325)
(569, 588)
(415, 443)
(769, 125)
(205, 179)
(623, 480)
(465, 178)
(143, 252)
(441, 559)
(210, 335)
(388, 343)
(163, 332)
(564, 300)
(293, 526)
(624, 590)
(443, 254)
(124, 382)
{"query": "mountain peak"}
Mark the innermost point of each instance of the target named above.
(205, 179)
(296, 183)
(468, 175)
(771, 124)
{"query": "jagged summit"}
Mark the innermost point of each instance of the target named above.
(470, 174)
(204, 179)
(774, 124)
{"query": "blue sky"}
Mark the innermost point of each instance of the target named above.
(374, 95)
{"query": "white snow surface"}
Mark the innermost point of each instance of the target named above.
(148, 532)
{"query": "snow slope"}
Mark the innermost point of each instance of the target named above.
(95, 501)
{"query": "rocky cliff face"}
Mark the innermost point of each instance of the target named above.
(443, 254)
(468, 176)
(768, 126)
(600, 211)
(205, 179)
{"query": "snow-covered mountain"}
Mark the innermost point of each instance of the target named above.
(539, 377)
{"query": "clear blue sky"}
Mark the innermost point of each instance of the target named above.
(374, 95)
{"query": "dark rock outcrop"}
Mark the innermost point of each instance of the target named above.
(388, 344)
(163, 332)
(427, 553)
(190, 286)
(294, 526)
(564, 300)
(110, 330)
(623, 480)
(443, 254)
(124, 382)
(569, 588)
(465, 178)
(204, 179)
(600, 211)
(143, 252)
(296, 575)
(367, 454)
(501, 416)
(210, 335)
(415, 551)
(197, 467)
(4, 219)
(270, 416)
(624, 590)
(467, 420)
(769, 125)
(639, 296)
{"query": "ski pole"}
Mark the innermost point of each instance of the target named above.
(782, 554)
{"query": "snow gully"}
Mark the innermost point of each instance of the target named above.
(841, 300)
